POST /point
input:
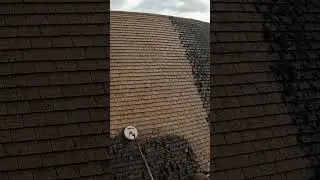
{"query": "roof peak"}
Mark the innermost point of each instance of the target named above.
(152, 14)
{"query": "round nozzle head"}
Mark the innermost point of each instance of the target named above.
(130, 133)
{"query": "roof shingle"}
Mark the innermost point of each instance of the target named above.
(42, 121)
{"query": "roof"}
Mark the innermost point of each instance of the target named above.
(262, 102)
(159, 83)
(54, 89)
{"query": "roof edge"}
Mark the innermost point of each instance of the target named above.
(154, 14)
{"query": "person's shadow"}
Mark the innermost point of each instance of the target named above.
(169, 158)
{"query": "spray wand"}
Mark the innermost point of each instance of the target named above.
(131, 133)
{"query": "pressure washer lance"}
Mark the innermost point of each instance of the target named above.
(131, 133)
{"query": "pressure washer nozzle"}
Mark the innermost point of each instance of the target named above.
(130, 133)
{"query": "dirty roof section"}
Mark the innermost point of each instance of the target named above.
(265, 89)
(153, 86)
(54, 121)
(194, 36)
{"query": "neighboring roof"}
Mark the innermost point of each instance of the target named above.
(159, 79)
(54, 89)
(265, 90)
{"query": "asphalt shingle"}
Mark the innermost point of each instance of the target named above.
(42, 65)
(254, 97)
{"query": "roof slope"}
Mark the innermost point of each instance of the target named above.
(53, 89)
(265, 89)
(153, 81)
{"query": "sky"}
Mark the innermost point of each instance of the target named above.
(194, 9)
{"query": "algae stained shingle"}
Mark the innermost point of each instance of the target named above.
(260, 39)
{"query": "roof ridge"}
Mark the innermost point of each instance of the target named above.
(154, 14)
